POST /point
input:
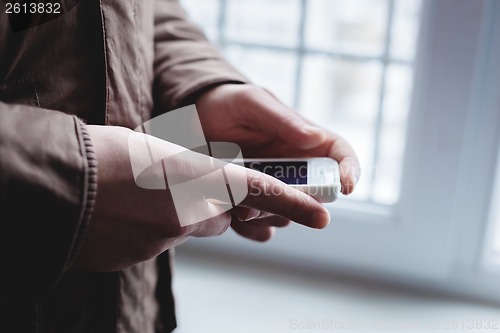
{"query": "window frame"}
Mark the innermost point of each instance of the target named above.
(300, 51)
(426, 238)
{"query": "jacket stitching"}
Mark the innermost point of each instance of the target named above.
(29, 80)
(36, 92)
(137, 64)
(39, 317)
(105, 48)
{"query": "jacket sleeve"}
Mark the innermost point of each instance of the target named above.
(47, 188)
(186, 63)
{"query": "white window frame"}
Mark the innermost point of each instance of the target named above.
(427, 238)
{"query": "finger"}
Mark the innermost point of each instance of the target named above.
(275, 118)
(254, 231)
(350, 170)
(349, 175)
(271, 195)
(247, 214)
(340, 150)
(254, 215)
(214, 226)
(273, 221)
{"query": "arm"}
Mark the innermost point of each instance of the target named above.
(48, 200)
(186, 64)
(47, 189)
(189, 69)
(131, 224)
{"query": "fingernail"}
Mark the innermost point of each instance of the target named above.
(312, 130)
(322, 219)
(248, 216)
(245, 218)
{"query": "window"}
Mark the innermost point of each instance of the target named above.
(491, 255)
(424, 111)
(347, 64)
(495, 220)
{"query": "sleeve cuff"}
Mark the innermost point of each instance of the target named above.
(89, 190)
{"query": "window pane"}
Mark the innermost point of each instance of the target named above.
(274, 22)
(491, 254)
(495, 214)
(269, 69)
(496, 237)
(343, 96)
(353, 26)
(405, 29)
(204, 13)
(341, 93)
(392, 137)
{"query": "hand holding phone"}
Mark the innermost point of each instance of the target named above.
(318, 177)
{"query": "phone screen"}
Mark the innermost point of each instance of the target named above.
(293, 172)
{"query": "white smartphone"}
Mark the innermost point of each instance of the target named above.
(318, 177)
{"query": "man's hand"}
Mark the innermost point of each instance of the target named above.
(264, 127)
(131, 224)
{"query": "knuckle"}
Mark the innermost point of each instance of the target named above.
(286, 223)
(258, 188)
(168, 230)
(296, 207)
(250, 92)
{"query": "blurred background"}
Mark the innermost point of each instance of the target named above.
(414, 85)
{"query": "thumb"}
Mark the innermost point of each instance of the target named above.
(275, 118)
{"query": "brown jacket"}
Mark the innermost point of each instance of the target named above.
(114, 62)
